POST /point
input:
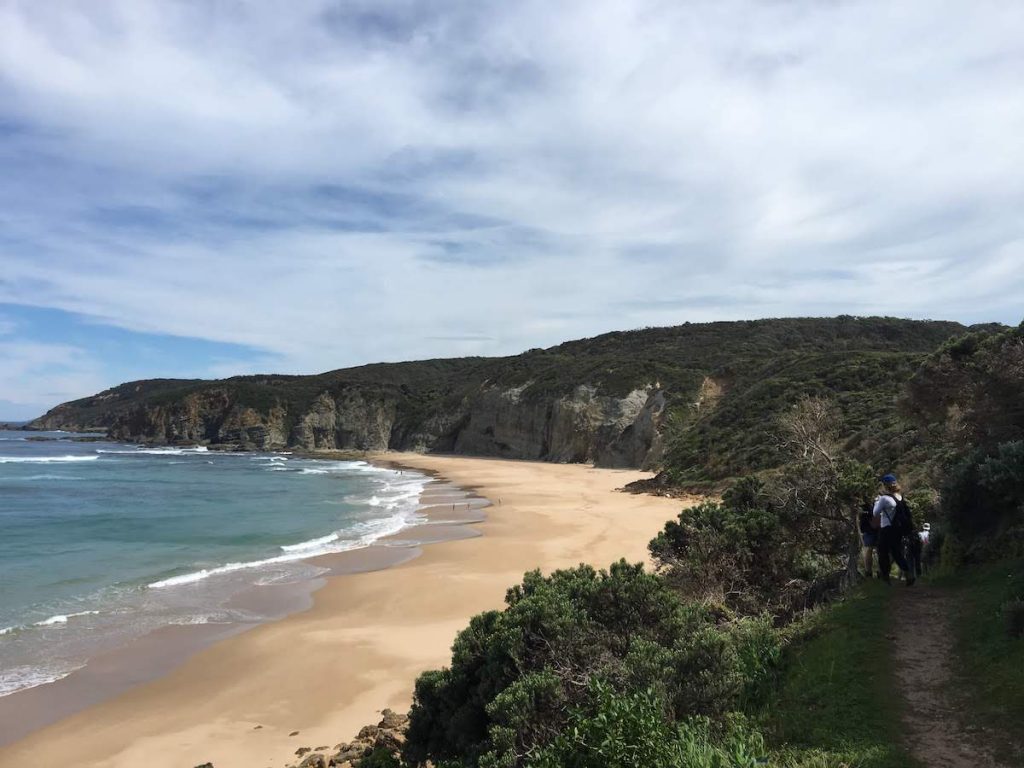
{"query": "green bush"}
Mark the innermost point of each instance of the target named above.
(516, 674)
(983, 500)
(380, 758)
(630, 730)
(740, 553)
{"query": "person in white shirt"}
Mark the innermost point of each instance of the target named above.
(890, 540)
(925, 535)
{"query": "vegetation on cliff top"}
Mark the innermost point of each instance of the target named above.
(724, 384)
(706, 663)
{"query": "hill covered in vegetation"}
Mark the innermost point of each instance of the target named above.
(699, 400)
(714, 659)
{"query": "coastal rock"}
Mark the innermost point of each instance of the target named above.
(349, 753)
(392, 741)
(523, 421)
(368, 733)
(392, 720)
(302, 750)
(314, 761)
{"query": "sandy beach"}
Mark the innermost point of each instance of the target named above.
(329, 670)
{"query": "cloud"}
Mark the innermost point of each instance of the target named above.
(367, 181)
(34, 374)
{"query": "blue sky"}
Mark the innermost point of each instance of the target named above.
(212, 188)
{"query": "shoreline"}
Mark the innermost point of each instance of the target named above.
(325, 671)
(117, 669)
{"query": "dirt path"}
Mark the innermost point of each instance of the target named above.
(935, 729)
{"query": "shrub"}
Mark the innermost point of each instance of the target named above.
(984, 502)
(746, 553)
(629, 730)
(516, 674)
(380, 758)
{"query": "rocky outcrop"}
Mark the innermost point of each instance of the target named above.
(387, 736)
(511, 422)
(581, 427)
(208, 417)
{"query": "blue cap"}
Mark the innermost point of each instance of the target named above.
(889, 479)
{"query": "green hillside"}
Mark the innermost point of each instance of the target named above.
(723, 385)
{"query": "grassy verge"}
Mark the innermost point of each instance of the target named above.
(989, 659)
(836, 704)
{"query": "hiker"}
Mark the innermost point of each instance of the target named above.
(925, 535)
(914, 550)
(868, 536)
(891, 515)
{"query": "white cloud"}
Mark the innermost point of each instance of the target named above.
(509, 175)
(35, 376)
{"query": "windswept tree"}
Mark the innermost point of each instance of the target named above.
(822, 489)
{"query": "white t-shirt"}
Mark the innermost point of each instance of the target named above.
(884, 506)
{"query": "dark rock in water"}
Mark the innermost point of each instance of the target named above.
(294, 733)
(205, 765)
(257, 727)
(314, 761)
(321, 749)
(301, 751)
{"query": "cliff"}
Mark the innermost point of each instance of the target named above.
(605, 400)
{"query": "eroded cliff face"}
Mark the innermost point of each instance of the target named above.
(583, 426)
(209, 417)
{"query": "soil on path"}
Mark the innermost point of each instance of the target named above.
(936, 731)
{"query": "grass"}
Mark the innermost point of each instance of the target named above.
(990, 660)
(836, 704)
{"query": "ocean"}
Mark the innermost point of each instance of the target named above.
(101, 542)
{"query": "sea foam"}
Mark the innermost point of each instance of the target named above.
(43, 459)
(402, 501)
(62, 618)
(156, 451)
(21, 678)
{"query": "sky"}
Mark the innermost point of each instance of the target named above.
(193, 188)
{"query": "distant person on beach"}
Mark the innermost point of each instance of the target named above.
(893, 515)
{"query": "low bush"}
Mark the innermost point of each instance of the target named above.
(625, 730)
(516, 675)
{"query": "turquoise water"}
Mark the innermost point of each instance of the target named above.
(101, 542)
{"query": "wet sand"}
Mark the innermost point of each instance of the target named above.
(328, 670)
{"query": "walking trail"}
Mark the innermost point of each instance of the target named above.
(936, 733)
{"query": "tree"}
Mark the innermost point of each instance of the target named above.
(821, 488)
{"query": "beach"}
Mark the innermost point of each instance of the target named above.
(327, 671)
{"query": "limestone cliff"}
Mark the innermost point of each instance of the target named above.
(582, 426)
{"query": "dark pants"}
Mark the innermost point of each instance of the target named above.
(914, 553)
(890, 551)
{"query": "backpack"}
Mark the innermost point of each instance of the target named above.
(900, 518)
(864, 519)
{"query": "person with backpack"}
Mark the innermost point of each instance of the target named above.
(868, 536)
(891, 516)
